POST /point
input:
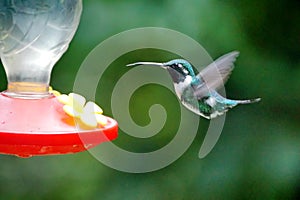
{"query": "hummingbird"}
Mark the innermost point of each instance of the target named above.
(198, 92)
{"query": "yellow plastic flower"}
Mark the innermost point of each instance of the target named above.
(54, 92)
(90, 114)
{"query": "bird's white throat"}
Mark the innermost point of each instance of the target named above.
(179, 87)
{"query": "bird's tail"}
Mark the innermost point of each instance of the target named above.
(248, 101)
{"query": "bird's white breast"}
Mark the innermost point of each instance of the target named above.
(181, 86)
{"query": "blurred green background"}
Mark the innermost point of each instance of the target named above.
(258, 153)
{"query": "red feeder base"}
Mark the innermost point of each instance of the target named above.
(31, 127)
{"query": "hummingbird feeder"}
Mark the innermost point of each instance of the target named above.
(34, 119)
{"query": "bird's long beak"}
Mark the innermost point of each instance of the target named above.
(147, 63)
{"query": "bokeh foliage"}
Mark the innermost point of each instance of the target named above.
(258, 154)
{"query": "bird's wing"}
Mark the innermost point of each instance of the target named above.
(216, 74)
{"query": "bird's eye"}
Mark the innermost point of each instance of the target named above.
(180, 66)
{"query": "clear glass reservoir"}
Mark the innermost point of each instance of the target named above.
(33, 36)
